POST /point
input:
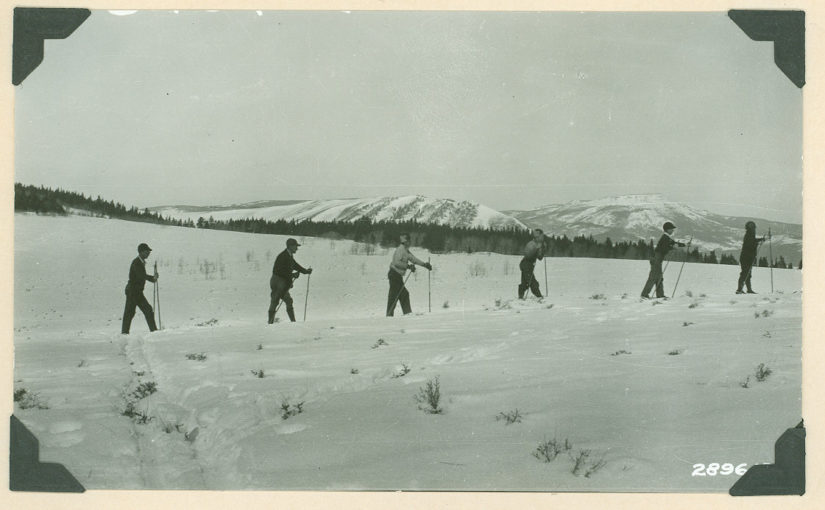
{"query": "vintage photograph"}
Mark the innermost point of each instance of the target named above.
(324, 250)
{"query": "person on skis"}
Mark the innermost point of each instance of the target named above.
(747, 257)
(134, 291)
(534, 250)
(284, 273)
(656, 277)
(402, 260)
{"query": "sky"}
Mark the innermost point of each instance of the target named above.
(513, 110)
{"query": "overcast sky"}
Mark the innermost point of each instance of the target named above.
(513, 110)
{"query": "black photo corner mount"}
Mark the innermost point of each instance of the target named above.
(785, 477)
(787, 31)
(31, 27)
(27, 473)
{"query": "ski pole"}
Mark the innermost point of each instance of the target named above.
(306, 298)
(403, 286)
(546, 287)
(429, 290)
(157, 291)
(687, 251)
(770, 251)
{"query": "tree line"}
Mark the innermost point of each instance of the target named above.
(433, 237)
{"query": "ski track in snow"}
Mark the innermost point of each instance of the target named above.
(653, 386)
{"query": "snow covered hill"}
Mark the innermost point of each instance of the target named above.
(405, 208)
(634, 217)
(641, 391)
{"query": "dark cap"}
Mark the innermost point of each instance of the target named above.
(144, 246)
(668, 225)
(292, 242)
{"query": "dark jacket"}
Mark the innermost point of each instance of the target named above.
(749, 246)
(665, 244)
(137, 277)
(533, 251)
(285, 265)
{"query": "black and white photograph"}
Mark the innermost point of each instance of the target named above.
(527, 251)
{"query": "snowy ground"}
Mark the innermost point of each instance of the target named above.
(651, 389)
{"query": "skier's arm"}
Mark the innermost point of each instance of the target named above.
(300, 268)
(416, 260)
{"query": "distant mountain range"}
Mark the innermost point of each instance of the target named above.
(413, 207)
(633, 217)
(623, 218)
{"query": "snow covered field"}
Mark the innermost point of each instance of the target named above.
(649, 389)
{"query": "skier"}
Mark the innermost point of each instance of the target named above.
(656, 278)
(134, 291)
(533, 251)
(747, 258)
(284, 273)
(402, 260)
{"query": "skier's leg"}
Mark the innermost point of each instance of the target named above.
(148, 312)
(526, 277)
(534, 287)
(743, 275)
(288, 302)
(128, 313)
(652, 278)
(748, 277)
(404, 299)
(392, 295)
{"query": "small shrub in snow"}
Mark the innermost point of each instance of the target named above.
(429, 397)
(445, 305)
(82, 363)
(620, 352)
(675, 352)
(746, 382)
(624, 296)
(762, 372)
(509, 417)
(354, 371)
(547, 451)
(686, 324)
(288, 409)
(260, 347)
(579, 461)
(258, 373)
(27, 400)
(379, 343)
(169, 428)
(592, 467)
(693, 305)
(597, 296)
(145, 389)
(404, 370)
(210, 322)
(688, 293)
(766, 334)
(137, 416)
(196, 356)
